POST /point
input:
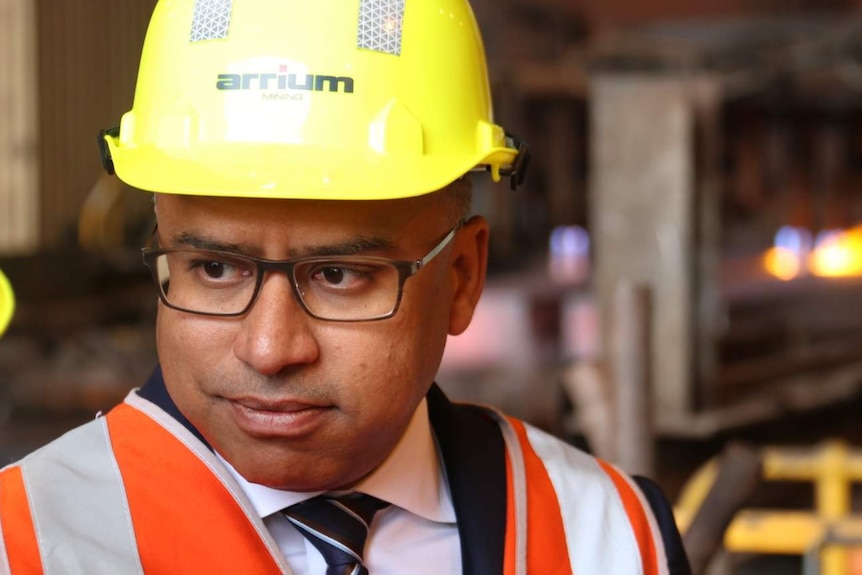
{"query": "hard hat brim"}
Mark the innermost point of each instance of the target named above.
(293, 172)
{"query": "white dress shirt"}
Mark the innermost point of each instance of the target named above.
(417, 534)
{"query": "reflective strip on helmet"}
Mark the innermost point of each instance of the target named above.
(79, 505)
(211, 19)
(380, 23)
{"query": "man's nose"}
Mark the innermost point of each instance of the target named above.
(276, 333)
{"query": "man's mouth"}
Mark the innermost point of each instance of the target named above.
(277, 418)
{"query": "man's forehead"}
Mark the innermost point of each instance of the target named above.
(199, 202)
(288, 228)
(378, 214)
(344, 244)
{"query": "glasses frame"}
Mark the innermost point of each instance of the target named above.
(406, 269)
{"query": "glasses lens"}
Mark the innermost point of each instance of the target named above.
(348, 290)
(206, 282)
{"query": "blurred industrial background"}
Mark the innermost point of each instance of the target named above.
(677, 287)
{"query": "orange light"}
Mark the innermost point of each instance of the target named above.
(783, 263)
(838, 254)
(786, 259)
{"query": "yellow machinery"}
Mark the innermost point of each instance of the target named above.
(7, 302)
(828, 537)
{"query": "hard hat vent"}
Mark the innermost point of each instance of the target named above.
(211, 19)
(380, 24)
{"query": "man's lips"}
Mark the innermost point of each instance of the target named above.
(277, 419)
(285, 405)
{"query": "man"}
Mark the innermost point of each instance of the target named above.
(313, 252)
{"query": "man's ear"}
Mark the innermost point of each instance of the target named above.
(467, 270)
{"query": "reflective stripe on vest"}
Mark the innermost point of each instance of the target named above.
(648, 535)
(72, 485)
(569, 494)
(131, 492)
(83, 492)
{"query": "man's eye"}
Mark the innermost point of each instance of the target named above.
(215, 270)
(220, 270)
(343, 277)
(333, 275)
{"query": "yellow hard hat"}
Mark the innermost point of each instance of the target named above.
(7, 302)
(330, 99)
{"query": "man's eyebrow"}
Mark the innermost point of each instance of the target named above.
(188, 240)
(357, 246)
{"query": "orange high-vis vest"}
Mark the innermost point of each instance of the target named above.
(113, 496)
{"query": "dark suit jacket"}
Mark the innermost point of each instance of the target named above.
(474, 456)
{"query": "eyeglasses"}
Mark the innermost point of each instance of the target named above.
(333, 288)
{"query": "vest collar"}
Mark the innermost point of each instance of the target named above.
(474, 458)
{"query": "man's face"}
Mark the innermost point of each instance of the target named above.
(299, 403)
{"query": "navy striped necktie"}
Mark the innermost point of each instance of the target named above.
(337, 527)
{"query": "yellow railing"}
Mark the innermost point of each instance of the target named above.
(822, 535)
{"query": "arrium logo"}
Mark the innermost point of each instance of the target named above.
(285, 80)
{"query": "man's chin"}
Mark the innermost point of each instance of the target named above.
(299, 476)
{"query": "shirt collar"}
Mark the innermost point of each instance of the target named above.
(410, 478)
